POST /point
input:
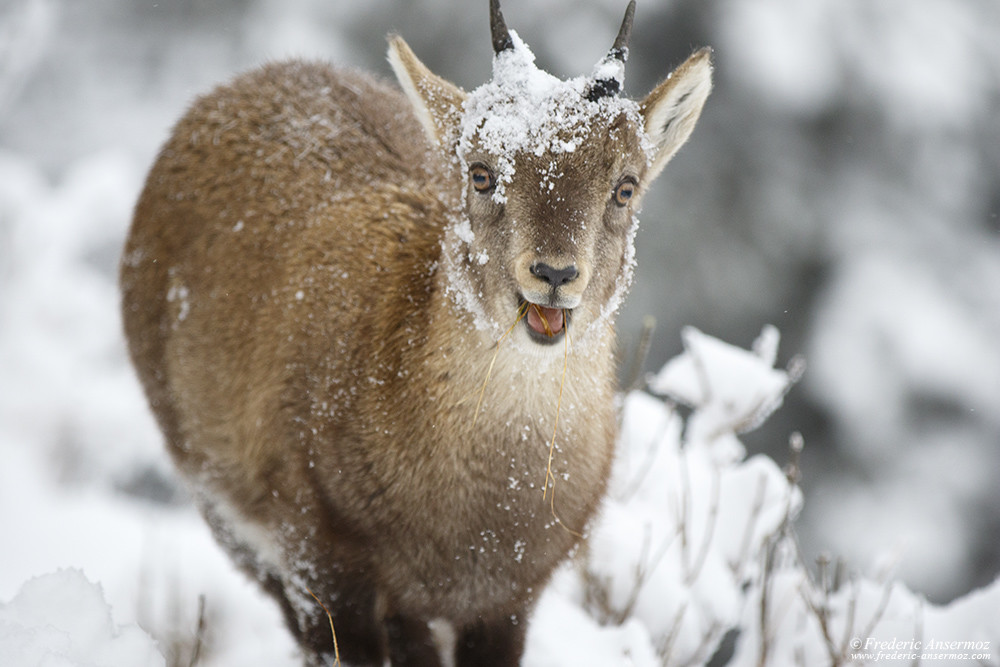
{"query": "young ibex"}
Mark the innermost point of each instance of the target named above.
(376, 329)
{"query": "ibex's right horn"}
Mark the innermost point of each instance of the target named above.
(619, 49)
(498, 28)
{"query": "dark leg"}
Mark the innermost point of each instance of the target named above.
(497, 642)
(361, 639)
(411, 643)
(349, 597)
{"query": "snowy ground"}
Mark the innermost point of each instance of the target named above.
(695, 544)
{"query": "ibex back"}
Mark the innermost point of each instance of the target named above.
(376, 329)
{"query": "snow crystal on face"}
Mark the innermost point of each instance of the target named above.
(454, 246)
(463, 229)
(625, 278)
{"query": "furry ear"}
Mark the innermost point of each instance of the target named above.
(672, 109)
(436, 102)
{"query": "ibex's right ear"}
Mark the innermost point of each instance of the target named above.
(437, 103)
(672, 109)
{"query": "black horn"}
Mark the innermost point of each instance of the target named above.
(619, 50)
(498, 28)
(609, 87)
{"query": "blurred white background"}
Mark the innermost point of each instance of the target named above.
(843, 184)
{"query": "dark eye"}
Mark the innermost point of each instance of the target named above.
(482, 178)
(624, 191)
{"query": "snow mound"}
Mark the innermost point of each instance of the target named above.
(679, 540)
(731, 390)
(695, 543)
(62, 620)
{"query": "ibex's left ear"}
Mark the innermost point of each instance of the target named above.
(437, 103)
(671, 110)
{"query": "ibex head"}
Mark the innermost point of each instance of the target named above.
(551, 173)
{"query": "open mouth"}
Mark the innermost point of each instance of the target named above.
(545, 325)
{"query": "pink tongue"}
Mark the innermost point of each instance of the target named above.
(539, 316)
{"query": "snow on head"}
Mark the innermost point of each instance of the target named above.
(523, 109)
(521, 114)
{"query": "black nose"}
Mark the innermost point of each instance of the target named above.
(554, 276)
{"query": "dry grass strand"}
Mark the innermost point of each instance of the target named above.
(552, 443)
(521, 312)
(555, 427)
(336, 648)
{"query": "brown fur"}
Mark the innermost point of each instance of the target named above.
(287, 311)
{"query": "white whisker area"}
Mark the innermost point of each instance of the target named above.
(521, 312)
(550, 478)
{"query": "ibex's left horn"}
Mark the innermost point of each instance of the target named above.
(619, 50)
(605, 84)
(498, 28)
